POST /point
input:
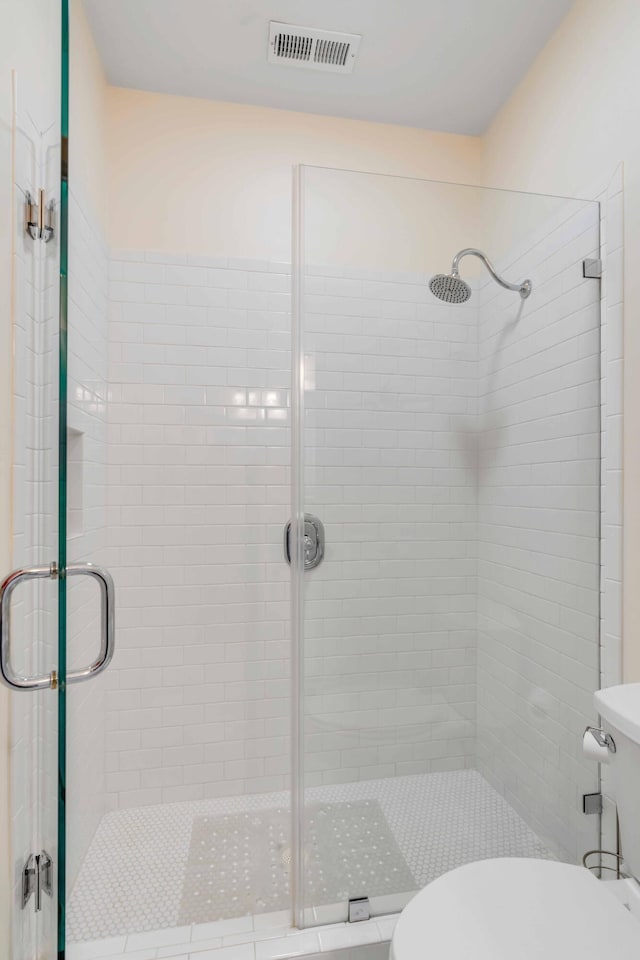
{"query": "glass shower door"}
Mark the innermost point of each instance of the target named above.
(30, 135)
(451, 452)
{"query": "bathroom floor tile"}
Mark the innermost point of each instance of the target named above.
(437, 822)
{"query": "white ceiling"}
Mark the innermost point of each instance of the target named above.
(439, 64)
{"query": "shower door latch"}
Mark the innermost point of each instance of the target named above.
(313, 541)
(37, 878)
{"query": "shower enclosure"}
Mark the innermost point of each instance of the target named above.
(448, 641)
(311, 724)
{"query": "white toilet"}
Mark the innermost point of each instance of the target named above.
(521, 909)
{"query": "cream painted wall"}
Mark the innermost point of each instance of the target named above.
(208, 177)
(87, 115)
(568, 124)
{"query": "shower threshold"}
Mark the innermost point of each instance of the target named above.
(415, 827)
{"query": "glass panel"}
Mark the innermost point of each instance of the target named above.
(30, 163)
(178, 483)
(451, 450)
(180, 489)
(63, 458)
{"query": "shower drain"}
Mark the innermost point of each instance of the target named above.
(286, 857)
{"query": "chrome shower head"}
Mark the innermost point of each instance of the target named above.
(450, 288)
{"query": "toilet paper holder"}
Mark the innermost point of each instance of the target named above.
(602, 739)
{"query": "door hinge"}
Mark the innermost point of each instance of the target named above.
(37, 878)
(39, 217)
(592, 803)
(592, 269)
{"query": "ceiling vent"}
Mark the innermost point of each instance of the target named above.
(313, 49)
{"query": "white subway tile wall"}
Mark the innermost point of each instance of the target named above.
(390, 615)
(612, 414)
(87, 392)
(398, 449)
(199, 451)
(538, 533)
(198, 702)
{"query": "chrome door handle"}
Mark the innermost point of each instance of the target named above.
(9, 584)
(107, 620)
(107, 625)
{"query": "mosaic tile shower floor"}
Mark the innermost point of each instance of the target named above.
(140, 872)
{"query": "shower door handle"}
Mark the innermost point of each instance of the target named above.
(107, 620)
(15, 680)
(9, 676)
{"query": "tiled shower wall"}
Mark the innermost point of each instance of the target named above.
(397, 450)
(199, 450)
(389, 450)
(199, 496)
(538, 532)
(87, 520)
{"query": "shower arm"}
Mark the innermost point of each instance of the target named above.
(523, 288)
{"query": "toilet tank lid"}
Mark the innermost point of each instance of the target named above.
(620, 707)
